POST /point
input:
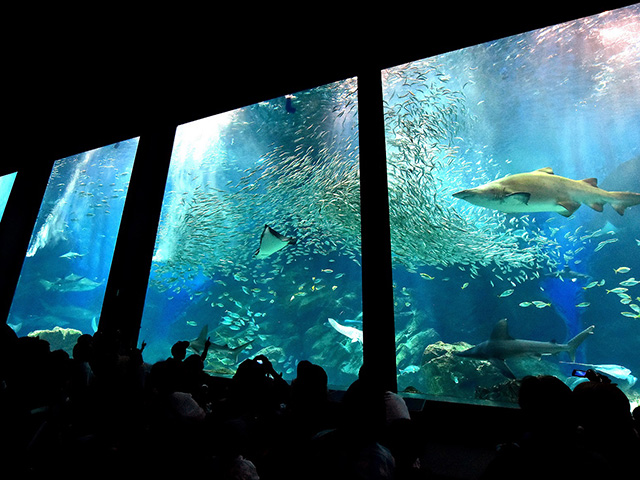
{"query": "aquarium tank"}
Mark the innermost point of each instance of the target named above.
(258, 245)
(6, 184)
(514, 182)
(62, 284)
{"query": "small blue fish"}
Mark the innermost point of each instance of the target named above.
(590, 285)
(622, 270)
(410, 369)
(540, 304)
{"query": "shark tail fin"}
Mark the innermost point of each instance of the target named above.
(622, 200)
(241, 347)
(575, 342)
(236, 350)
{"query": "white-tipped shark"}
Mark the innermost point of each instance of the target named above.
(501, 346)
(543, 191)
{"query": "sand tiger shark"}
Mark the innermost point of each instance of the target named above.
(543, 191)
(501, 346)
(70, 283)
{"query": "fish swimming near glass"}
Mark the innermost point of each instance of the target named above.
(501, 346)
(72, 255)
(70, 283)
(543, 191)
(353, 333)
(271, 242)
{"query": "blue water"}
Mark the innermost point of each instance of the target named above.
(6, 184)
(565, 97)
(64, 275)
(295, 169)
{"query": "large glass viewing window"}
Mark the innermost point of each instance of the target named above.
(258, 246)
(513, 175)
(64, 275)
(6, 184)
(551, 118)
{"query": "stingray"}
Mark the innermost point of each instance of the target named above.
(271, 242)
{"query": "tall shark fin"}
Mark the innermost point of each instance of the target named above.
(501, 331)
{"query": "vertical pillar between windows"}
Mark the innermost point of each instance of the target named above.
(377, 291)
(127, 285)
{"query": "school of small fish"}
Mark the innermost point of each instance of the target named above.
(307, 186)
(430, 232)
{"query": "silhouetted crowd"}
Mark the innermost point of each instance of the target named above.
(102, 411)
(587, 433)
